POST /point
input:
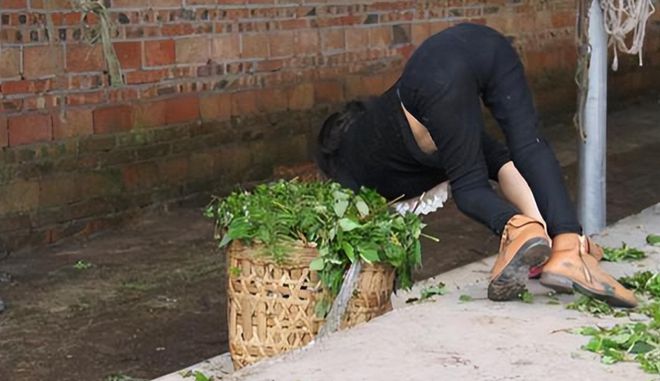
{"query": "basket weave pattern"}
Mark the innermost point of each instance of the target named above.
(271, 306)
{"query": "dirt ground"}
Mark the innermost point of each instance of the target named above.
(149, 299)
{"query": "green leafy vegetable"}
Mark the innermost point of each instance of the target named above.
(82, 265)
(343, 225)
(526, 297)
(653, 239)
(593, 306)
(428, 292)
(643, 282)
(626, 342)
(465, 298)
(638, 341)
(624, 253)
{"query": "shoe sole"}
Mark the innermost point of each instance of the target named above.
(512, 280)
(565, 285)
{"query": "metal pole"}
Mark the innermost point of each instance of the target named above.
(592, 157)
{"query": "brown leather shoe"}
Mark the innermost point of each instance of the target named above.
(524, 244)
(572, 268)
(593, 249)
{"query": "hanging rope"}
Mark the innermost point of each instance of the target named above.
(622, 19)
(102, 32)
(625, 18)
(582, 70)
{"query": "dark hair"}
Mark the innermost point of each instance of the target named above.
(331, 134)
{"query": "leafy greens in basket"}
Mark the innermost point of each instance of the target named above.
(343, 225)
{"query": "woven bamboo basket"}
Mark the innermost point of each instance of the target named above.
(271, 307)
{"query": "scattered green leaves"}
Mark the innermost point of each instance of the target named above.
(82, 265)
(465, 298)
(199, 376)
(626, 342)
(552, 298)
(653, 239)
(635, 341)
(526, 297)
(428, 292)
(643, 282)
(624, 253)
(343, 225)
(594, 306)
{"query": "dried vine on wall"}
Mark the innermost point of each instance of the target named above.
(101, 32)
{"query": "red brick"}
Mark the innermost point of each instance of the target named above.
(328, 92)
(374, 84)
(159, 53)
(281, 44)
(16, 87)
(269, 65)
(439, 26)
(29, 128)
(71, 18)
(19, 196)
(130, 3)
(201, 166)
(49, 4)
(4, 140)
(175, 170)
(140, 177)
(90, 97)
(301, 97)
(192, 50)
(150, 114)
(182, 109)
(254, 45)
(112, 119)
(13, 4)
(172, 30)
(146, 76)
(84, 57)
(243, 103)
(357, 38)
(39, 102)
(380, 36)
(215, 107)
(129, 54)
(271, 100)
(58, 191)
(74, 122)
(307, 41)
(34, 64)
(119, 95)
(354, 87)
(420, 32)
(206, 2)
(333, 39)
(10, 62)
(226, 47)
(294, 24)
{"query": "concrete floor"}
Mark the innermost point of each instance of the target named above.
(477, 340)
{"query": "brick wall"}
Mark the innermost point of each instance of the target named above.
(217, 92)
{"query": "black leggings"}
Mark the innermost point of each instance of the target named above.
(443, 85)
